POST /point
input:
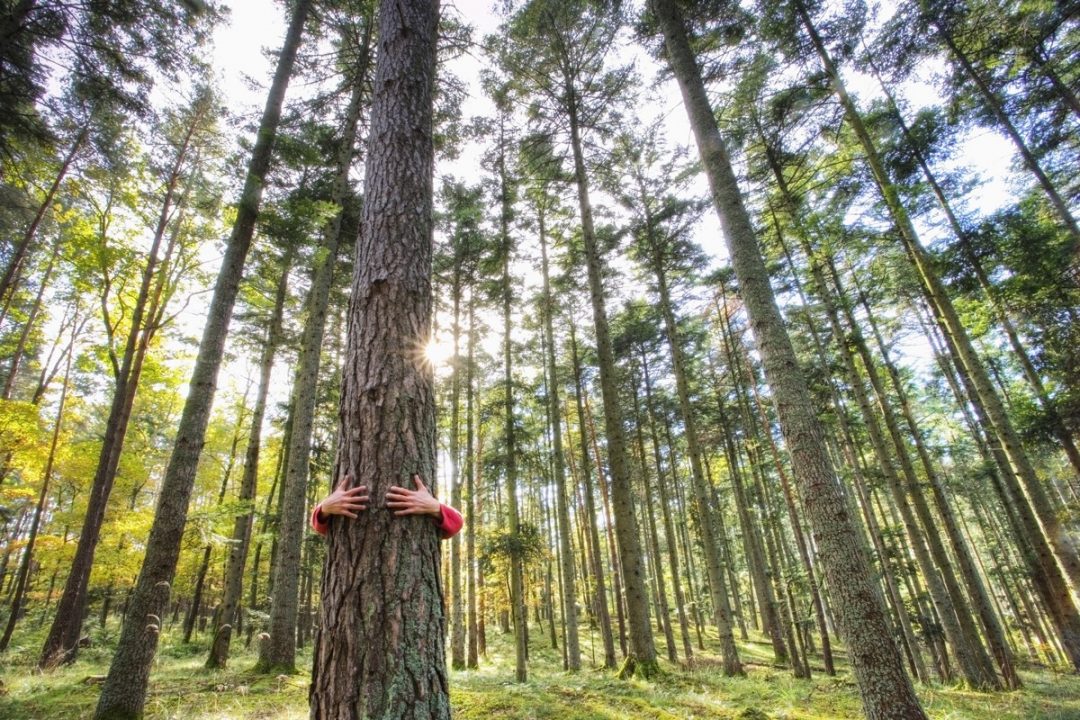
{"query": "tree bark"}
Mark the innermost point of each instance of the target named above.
(380, 647)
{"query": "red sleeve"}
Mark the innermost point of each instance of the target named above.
(319, 524)
(450, 521)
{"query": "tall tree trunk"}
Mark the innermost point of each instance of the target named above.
(963, 239)
(124, 692)
(457, 609)
(1064, 549)
(613, 551)
(471, 468)
(562, 505)
(980, 599)
(642, 657)
(602, 614)
(721, 605)
(884, 685)
(660, 591)
(280, 652)
(23, 573)
(379, 649)
(517, 578)
(994, 104)
(61, 644)
(228, 615)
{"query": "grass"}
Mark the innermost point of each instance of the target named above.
(182, 689)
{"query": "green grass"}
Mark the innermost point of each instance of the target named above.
(181, 688)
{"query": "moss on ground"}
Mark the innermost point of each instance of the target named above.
(183, 689)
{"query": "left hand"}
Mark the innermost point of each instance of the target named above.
(413, 502)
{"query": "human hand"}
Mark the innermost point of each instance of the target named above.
(412, 502)
(345, 500)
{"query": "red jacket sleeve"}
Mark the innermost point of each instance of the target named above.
(450, 521)
(319, 524)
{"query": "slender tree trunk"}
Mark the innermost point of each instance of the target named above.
(993, 103)
(642, 658)
(381, 576)
(884, 685)
(61, 644)
(124, 692)
(15, 264)
(602, 614)
(1064, 550)
(562, 505)
(228, 615)
(721, 605)
(669, 532)
(660, 591)
(23, 573)
(471, 467)
(24, 335)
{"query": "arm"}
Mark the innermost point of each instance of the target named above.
(343, 501)
(422, 502)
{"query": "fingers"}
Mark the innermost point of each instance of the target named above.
(344, 483)
(419, 481)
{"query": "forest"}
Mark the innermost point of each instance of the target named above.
(743, 336)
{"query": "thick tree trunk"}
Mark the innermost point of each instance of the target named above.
(379, 650)
(124, 691)
(884, 685)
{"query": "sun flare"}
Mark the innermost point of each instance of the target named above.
(438, 353)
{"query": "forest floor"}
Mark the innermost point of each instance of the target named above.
(181, 688)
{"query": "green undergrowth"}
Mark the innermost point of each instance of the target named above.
(182, 689)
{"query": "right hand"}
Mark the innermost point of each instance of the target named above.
(345, 500)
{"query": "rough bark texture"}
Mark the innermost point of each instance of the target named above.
(379, 648)
(884, 685)
(124, 691)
